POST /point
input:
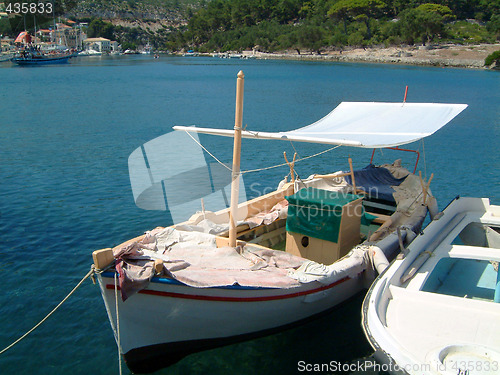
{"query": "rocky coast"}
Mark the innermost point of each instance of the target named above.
(444, 55)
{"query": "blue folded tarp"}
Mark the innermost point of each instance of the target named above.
(376, 182)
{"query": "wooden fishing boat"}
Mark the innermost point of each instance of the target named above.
(271, 262)
(32, 56)
(435, 309)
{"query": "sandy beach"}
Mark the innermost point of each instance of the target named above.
(447, 55)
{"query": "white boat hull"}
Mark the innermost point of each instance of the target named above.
(165, 322)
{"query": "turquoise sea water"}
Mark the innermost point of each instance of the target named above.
(65, 136)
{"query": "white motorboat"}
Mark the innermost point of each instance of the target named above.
(220, 277)
(90, 52)
(436, 310)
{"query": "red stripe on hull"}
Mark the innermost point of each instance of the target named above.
(235, 299)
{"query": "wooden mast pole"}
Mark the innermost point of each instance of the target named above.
(352, 174)
(235, 183)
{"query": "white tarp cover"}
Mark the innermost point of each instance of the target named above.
(359, 124)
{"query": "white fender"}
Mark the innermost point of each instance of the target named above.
(379, 259)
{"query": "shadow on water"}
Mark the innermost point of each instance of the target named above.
(325, 345)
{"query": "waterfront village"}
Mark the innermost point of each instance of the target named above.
(63, 36)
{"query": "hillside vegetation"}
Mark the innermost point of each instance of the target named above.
(301, 25)
(317, 24)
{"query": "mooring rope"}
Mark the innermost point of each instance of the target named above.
(208, 152)
(89, 274)
(118, 339)
(283, 164)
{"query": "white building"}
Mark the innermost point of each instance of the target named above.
(6, 45)
(115, 47)
(102, 45)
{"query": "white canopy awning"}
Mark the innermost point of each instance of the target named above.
(358, 124)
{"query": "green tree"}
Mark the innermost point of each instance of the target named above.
(242, 14)
(493, 58)
(310, 37)
(306, 9)
(340, 12)
(488, 9)
(442, 10)
(493, 26)
(423, 23)
(5, 26)
(100, 28)
(286, 10)
(359, 10)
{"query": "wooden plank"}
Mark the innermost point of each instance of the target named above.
(263, 203)
(240, 230)
(103, 258)
(269, 235)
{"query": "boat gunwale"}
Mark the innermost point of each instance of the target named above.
(292, 292)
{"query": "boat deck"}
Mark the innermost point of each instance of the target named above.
(467, 278)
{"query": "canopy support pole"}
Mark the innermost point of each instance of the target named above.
(400, 149)
(235, 183)
(352, 174)
(425, 186)
(291, 165)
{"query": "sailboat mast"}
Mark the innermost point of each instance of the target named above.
(235, 183)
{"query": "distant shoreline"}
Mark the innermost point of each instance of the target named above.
(447, 55)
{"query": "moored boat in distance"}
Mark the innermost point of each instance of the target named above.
(130, 52)
(90, 52)
(435, 309)
(250, 269)
(190, 53)
(33, 56)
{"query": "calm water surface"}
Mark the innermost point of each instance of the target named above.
(65, 136)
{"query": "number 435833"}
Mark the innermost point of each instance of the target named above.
(31, 8)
